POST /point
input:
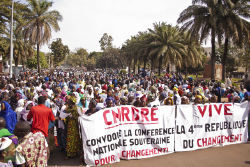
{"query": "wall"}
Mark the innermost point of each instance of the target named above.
(218, 71)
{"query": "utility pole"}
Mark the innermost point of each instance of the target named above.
(11, 39)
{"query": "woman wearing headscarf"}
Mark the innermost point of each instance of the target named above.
(89, 93)
(169, 101)
(63, 95)
(83, 103)
(20, 107)
(24, 113)
(62, 127)
(14, 100)
(73, 142)
(9, 115)
(143, 101)
(92, 106)
(96, 95)
(110, 102)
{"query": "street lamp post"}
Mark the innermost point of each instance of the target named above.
(11, 39)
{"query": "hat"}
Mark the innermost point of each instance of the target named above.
(144, 97)
(160, 88)
(4, 143)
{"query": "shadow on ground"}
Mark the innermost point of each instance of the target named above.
(58, 159)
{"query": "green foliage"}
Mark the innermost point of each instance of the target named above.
(123, 72)
(80, 58)
(231, 59)
(59, 51)
(234, 84)
(38, 23)
(106, 42)
(32, 62)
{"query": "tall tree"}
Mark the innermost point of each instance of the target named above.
(106, 44)
(59, 51)
(232, 26)
(81, 56)
(194, 52)
(38, 22)
(167, 44)
(200, 20)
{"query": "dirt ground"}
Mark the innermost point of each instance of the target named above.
(237, 155)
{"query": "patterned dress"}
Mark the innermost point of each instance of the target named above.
(73, 142)
(33, 148)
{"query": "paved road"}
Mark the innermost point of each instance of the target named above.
(237, 155)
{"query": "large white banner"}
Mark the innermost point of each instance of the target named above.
(217, 124)
(127, 132)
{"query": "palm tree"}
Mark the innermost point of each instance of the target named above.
(232, 26)
(193, 50)
(200, 19)
(38, 22)
(167, 41)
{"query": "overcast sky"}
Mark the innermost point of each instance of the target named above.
(85, 21)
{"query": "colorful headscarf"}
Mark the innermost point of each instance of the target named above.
(44, 93)
(198, 96)
(160, 88)
(110, 99)
(144, 97)
(63, 97)
(170, 100)
(18, 95)
(10, 117)
(93, 102)
(73, 99)
(24, 113)
(175, 89)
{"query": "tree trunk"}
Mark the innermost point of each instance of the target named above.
(129, 68)
(38, 59)
(138, 67)
(224, 60)
(168, 69)
(185, 71)
(37, 44)
(144, 65)
(246, 68)
(134, 66)
(152, 67)
(213, 55)
(159, 68)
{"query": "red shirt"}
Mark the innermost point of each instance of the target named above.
(41, 116)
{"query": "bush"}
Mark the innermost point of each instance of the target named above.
(234, 84)
(200, 73)
(123, 72)
(207, 80)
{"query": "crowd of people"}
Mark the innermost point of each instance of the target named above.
(40, 112)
